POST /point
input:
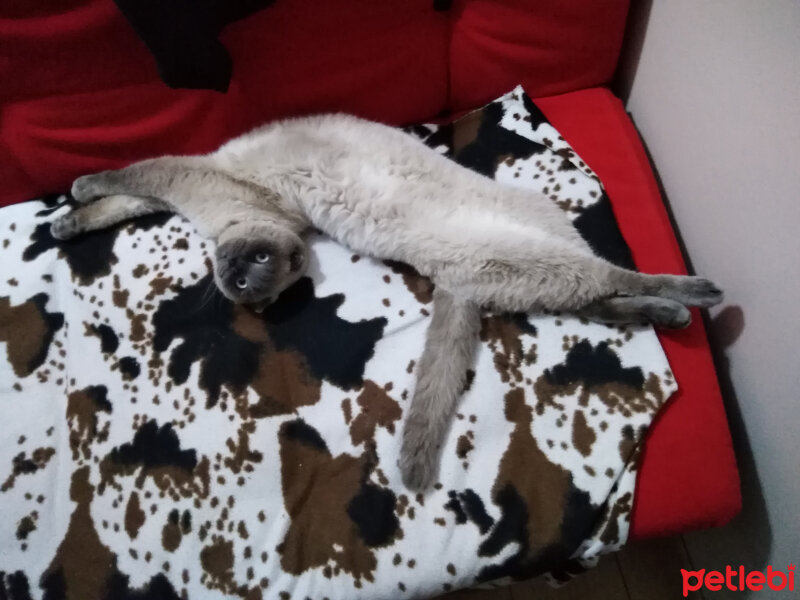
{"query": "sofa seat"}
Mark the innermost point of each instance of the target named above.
(688, 478)
(81, 94)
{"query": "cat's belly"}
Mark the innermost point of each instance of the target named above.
(429, 241)
(414, 224)
(468, 225)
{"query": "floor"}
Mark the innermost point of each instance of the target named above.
(648, 570)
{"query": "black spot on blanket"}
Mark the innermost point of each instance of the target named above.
(154, 446)
(109, 341)
(478, 142)
(454, 506)
(593, 366)
(89, 255)
(300, 431)
(334, 349)
(117, 587)
(597, 225)
(372, 510)
(53, 202)
(468, 506)
(14, 586)
(536, 115)
(512, 528)
(203, 319)
(158, 588)
(98, 394)
(129, 367)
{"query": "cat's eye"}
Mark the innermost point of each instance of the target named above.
(241, 283)
(262, 257)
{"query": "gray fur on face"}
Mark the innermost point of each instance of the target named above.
(383, 193)
(255, 262)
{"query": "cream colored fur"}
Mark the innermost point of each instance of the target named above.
(383, 193)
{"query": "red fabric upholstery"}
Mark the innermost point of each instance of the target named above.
(53, 139)
(80, 94)
(548, 47)
(688, 478)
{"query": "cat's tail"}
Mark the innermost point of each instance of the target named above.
(441, 377)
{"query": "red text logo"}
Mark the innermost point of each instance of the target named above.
(738, 580)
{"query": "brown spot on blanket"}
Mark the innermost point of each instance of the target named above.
(332, 497)
(28, 330)
(378, 409)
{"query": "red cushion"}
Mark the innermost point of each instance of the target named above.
(688, 478)
(549, 47)
(385, 60)
(52, 140)
(51, 47)
(80, 92)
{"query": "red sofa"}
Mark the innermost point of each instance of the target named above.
(81, 93)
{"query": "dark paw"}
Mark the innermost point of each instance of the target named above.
(702, 292)
(672, 315)
(65, 227)
(680, 319)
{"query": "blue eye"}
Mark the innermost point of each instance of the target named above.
(262, 257)
(241, 283)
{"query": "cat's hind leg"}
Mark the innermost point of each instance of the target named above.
(103, 213)
(632, 309)
(686, 289)
(556, 277)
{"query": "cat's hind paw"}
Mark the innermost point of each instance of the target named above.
(667, 313)
(700, 292)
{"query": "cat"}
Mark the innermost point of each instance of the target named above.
(385, 194)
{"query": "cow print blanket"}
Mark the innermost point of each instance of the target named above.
(161, 443)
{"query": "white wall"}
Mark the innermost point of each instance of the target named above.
(716, 97)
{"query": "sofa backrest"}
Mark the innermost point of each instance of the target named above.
(81, 93)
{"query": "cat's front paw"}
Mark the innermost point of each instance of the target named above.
(65, 227)
(88, 188)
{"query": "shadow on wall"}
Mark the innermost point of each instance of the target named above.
(747, 540)
(635, 31)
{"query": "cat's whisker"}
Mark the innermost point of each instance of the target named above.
(209, 293)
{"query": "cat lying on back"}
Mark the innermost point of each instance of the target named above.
(384, 194)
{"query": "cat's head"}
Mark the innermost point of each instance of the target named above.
(256, 261)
